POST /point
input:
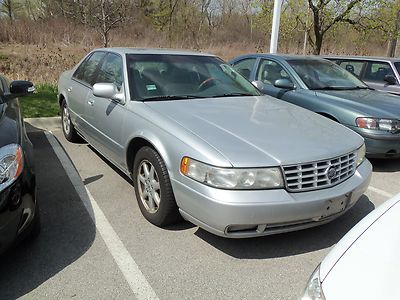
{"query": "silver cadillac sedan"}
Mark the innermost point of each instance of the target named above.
(202, 143)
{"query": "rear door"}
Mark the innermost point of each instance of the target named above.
(78, 91)
(106, 117)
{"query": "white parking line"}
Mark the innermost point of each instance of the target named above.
(135, 278)
(380, 192)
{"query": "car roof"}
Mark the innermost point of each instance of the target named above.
(386, 59)
(281, 56)
(124, 51)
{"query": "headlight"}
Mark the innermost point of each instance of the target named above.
(11, 164)
(360, 154)
(313, 289)
(389, 125)
(232, 178)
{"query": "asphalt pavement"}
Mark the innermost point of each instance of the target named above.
(95, 244)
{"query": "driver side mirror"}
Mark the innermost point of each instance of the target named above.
(390, 79)
(284, 83)
(109, 91)
(19, 88)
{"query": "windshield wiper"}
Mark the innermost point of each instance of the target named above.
(337, 88)
(233, 95)
(358, 87)
(170, 97)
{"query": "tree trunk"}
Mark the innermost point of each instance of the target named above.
(318, 44)
(391, 50)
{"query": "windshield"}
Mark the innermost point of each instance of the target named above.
(320, 74)
(157, 77)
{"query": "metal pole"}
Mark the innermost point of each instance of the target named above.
(275, 26)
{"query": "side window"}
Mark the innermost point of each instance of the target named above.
(111, 71)
(269, 71)
(2, 87)
(244, 67)
(354, 67)
(86, 70)
(376, 71)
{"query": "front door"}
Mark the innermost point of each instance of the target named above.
(106, 116)
(79, 89)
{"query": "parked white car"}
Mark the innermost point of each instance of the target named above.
(365, 263)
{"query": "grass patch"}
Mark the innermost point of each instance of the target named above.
(41, 104)
(3, 56)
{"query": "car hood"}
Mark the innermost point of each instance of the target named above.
(365, 263)
(368, 103)
(260, 131)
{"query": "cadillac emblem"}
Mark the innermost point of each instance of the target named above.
(331, 173)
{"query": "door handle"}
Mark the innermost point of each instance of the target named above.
(69, 89)
(90, 102)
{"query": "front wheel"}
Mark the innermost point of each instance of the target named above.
(153, 188)
(67, 126)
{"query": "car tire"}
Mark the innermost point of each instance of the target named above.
(67, 126)
(153, 188)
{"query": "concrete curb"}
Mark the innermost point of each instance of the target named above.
(48, 124)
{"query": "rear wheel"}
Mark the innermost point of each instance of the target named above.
(153, 188)
(67, 126)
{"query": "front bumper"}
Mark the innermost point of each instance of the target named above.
(240, 214)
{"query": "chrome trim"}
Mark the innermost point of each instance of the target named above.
(318, 175)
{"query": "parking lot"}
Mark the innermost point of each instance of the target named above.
(95, 244)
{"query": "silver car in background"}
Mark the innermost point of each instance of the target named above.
(201, 142)
(380, 73)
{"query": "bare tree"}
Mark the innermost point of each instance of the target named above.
(9, 8)
(101, 15)
(325, 15)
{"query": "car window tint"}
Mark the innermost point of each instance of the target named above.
(354, 67)
(376, 71)
(86, 70)
(397, 65)
(156, 75)
(269, 71)
(111, 71)
(245, 66)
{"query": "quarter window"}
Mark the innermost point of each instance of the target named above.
(86, 70)
(111, 70)
(376, 71)
(244, 67)
(269, 71)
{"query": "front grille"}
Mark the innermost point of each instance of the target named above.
(320, 174)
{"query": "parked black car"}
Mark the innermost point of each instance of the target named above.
(19, 214)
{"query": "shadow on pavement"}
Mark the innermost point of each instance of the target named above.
(67, 229)
(292, 243)
(385, 165)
